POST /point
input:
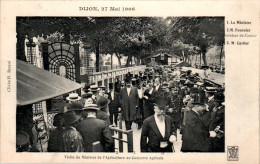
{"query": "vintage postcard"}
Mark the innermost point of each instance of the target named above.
(129, 82)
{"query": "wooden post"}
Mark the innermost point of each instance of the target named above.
(120, 135)
(130, 141)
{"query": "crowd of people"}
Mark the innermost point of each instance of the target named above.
(160, 100)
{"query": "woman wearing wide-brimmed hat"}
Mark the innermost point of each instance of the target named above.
(71, 139)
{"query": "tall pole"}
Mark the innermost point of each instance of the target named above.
(220, 57)
(87, 66)
(111, 61)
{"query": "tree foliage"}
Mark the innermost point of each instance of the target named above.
(136, 37)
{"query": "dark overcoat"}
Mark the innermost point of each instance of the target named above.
(92, 130)
(196, 136)
(114, 104)
(129, 103)
(149, 103)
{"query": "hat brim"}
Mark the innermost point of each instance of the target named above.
(73, 121)
(69, 99)
(91, 108)
(108, 101)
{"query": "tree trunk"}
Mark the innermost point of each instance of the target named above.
(183, 55)
(204, 58)
(128, 60)
(138, 61)
(97, 55)
(200, 58)
(220, 57)
(119, 59)
(67, 36)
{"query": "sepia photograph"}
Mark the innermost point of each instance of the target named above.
(129, 82)
(120, 84)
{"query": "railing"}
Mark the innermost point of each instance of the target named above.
(117, 134)
(112, 74)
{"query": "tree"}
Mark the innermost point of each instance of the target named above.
(44, 26)
(202, 32)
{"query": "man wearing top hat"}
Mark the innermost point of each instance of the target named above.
(140, 91)
(159, 130)
(71, 139)
(196, 136)
(129, 101)
(95, 130)
(113, 105)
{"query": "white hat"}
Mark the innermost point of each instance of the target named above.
(73, 97)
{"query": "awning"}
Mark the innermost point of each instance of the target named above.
(35, 84)
(159, 54)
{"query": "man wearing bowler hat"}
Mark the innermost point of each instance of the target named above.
(129, 101)
(159, 130)
(102, 114)
(71, 140)
(94, 130)
(77, 107)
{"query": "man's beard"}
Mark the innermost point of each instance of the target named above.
(161, 117)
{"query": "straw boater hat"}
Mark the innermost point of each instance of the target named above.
(102, 87)
(93, 88)
(73, 97)
(91, 107)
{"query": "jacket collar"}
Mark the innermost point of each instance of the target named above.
(156, 130)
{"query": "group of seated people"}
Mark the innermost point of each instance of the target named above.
(160, 102)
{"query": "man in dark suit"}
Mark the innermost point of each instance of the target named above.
(150, 95)
(129, 101)
(113, 105)
(217, 124)
(196, 136)
(159, 130)
(102, 114)
(93, 130)
(140, 91)
(157, 87)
